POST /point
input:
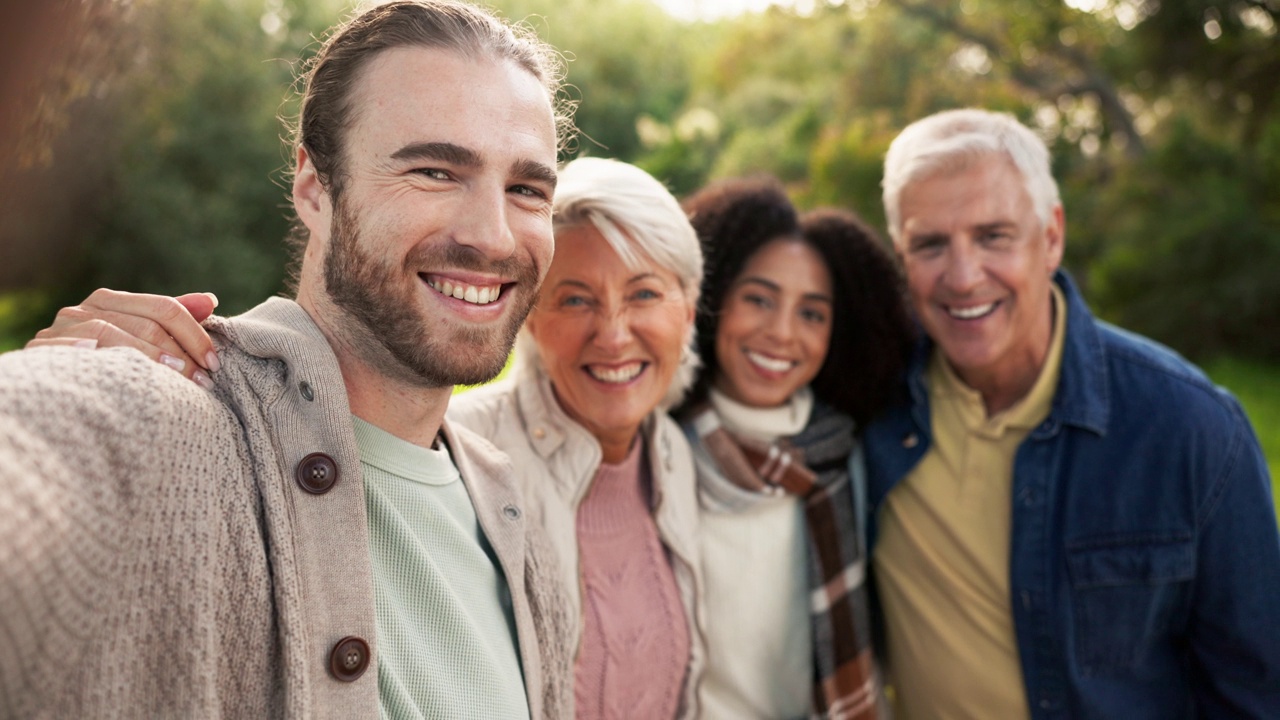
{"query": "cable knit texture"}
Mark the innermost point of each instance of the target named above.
(157, 558)
(634, 622)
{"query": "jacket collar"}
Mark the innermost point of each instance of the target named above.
(278, 329)
(1082, 398)
(558, 438)
(548, 425)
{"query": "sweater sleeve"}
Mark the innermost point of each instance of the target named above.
(80, 433)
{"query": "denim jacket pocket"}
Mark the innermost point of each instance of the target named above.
(1127, 593)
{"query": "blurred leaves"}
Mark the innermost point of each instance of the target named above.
(151, 156)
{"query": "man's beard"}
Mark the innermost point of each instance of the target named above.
(382, 307)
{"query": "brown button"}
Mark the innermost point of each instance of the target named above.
(349, 659)
(317, 473)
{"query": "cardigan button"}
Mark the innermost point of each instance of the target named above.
(317, 473)
(512, 512)
(308, 394)
(349, 659)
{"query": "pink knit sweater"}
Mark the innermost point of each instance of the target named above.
(635, 641)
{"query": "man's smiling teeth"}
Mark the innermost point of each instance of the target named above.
(626, 373)
(469, 293)
(970, 313)
(768, 363)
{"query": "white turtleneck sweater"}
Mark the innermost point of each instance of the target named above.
(759, 643)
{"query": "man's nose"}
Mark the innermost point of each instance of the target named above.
(485, 225)
(964, 268)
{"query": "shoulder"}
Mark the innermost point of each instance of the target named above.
(669, 438)
(482, 410)
(473, 452)
(112, 390)
(1151, 382)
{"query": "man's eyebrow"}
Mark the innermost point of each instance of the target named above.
(440, 151)
(534, 171)
(918, 239)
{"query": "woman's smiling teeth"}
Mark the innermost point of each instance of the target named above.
(616, 375)
(478, 295)
(970, 313)
(768, 363)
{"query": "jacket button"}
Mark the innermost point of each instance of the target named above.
(539, 433)
(317, 473)
(512, 512)
(911, 440)
(349, 658)
(308, 394)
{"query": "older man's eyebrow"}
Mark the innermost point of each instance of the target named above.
(534, 171)
(445, 152)
(925, 239)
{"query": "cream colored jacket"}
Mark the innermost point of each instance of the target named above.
(158, 558)
(557, 459)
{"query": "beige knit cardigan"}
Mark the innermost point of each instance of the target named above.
(158, 559)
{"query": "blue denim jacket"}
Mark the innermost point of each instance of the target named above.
(1145, 560)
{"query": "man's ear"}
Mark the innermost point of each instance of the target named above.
(310, 198)
(1055, 236)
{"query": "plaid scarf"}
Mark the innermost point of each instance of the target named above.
(812, 465)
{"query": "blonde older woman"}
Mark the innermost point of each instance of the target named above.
(607, 473)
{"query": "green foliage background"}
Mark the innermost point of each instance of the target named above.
(155, 161)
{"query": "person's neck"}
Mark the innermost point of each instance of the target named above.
(1001, 391)
(409, 411)
(1005, 386)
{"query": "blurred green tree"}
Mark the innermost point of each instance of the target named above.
(156, 162)
(167, 175)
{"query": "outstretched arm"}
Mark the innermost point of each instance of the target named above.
(166, 329)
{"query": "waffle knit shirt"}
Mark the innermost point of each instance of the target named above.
(444, 612)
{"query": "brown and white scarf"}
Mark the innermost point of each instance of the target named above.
(813, 465)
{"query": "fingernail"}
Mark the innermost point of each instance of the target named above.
(211, 361)
(87, 344)
(203, 380)
(214, 298)
(173, 362)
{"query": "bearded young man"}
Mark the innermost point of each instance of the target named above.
(303, 536)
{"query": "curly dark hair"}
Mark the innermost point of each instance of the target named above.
(872, 333)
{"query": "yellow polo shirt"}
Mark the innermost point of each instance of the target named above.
(942, 558)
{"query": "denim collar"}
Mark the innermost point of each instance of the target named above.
(1082, 398)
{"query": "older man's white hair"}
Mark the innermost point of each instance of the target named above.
(954, 140)
(642, 221)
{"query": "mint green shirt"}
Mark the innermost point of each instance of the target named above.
(446, 632)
